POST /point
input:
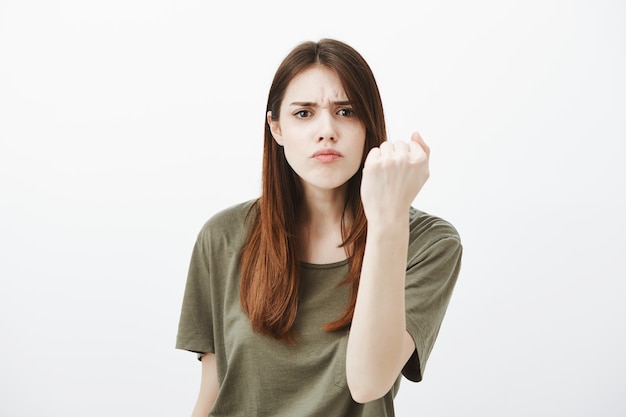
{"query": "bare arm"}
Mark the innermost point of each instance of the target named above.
(208, 387)
(379, 345)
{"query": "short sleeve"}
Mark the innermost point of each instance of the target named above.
(195, 326)
(432, 270)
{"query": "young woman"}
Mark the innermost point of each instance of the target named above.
(314, 299)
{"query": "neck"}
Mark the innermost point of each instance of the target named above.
(319, 226)
(322, 208)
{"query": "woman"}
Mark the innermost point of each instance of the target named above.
(315, 298)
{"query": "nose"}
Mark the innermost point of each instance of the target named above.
(327, 129)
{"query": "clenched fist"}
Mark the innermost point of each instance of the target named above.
(393, 174)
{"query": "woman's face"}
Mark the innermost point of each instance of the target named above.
(322, 137)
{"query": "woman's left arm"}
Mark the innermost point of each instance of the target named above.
(379, 345)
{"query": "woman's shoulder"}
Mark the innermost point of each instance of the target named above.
(430, 228)
(232, 219)
(433, 238)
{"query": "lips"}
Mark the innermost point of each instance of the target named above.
(327, 155)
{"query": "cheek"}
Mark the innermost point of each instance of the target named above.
(295, 138)
(294, 153)
(289, 132)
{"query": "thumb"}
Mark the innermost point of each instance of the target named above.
(416, 137)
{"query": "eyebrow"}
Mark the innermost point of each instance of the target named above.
(313, 104)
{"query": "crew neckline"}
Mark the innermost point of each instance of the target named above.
(324, 266)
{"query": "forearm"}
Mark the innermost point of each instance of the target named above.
(378, 344)
(208, 387)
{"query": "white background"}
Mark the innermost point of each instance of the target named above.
(125, 124)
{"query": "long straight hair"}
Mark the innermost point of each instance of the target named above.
(269, 263)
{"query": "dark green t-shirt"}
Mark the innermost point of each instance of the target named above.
(261, 376)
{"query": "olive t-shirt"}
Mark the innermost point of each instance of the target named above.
(261, 376)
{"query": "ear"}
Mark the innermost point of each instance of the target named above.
(275, 129)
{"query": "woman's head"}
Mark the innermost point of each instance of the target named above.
(359, 86)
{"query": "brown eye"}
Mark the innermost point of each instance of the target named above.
(301, 114)
(346, 112)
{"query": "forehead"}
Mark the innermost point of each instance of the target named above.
(316, 84)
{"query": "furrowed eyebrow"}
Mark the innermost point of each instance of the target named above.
(312, 104)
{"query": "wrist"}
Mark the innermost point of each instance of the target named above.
(388, 226)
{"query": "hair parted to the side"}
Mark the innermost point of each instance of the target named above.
(269, 263)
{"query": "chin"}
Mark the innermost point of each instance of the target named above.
(325, 185)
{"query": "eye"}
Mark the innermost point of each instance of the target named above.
(346, 112)
(301, 114)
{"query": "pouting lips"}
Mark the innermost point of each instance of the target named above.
(326, 155)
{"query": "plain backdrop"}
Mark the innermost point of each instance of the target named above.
(125, 124)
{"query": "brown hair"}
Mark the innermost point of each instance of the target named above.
(269, 262)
